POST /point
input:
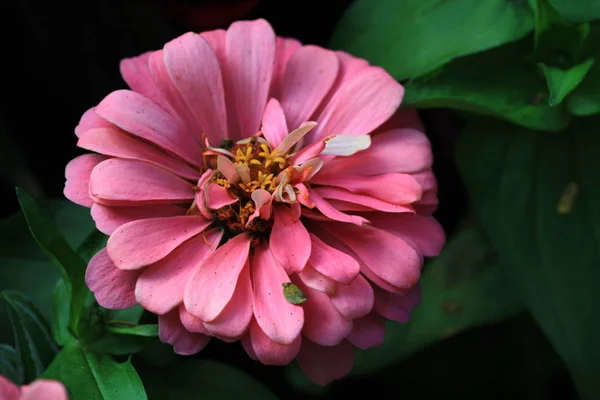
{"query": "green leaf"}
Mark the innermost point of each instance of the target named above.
(119, 344)
(131, 315)
(33, 341)
(541, 18)
(546, 233)
(92, 376)
(462, 288)
(585, 99)
(577, 10)
(92, 244)
(58, 250)
(8, 362)
(293, 294)
(502, 82)
(60, 307)
(136, 330)
(203, 379)
(410, 38)
(562, 82)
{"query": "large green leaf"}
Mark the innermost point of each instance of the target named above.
(35, 348)
(503, 82)
(8, 362)
(462, 288)
(202, 379)
(585, 99)
(577, 10)
(538, 198)
(92, 376)
(410, 38)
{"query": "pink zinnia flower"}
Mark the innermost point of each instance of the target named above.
(37, 390)
(243, 168)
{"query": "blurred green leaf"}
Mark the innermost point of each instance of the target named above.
(92, 244)
(8, 362)
(118, 343)
(501, 82)
(33, 341)
(58, 250)
(541, 18)
(585, 99)
(562, 82)
(60, 312)
(538, 196)
(410, 38)
(131, 315)
(92, 376)
(202, 379)
(462, 288)
(137, 330)
(577, 10)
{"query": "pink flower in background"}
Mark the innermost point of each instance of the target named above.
(37, 390)
(259, 190)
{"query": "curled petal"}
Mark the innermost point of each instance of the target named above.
(184, 342)
(77, 172)
(267, 351)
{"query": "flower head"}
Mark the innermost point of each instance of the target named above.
(39, 389)
(256, 189)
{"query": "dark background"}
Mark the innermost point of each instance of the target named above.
(59, 59)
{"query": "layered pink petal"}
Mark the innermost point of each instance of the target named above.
(322, 364)
(280, 320)
(331, 262)
(397, 307)
(235, 318)
(323, 323)
(140, 116)
(269, 352)
(113, 288)
(91, 120)
(217, 196)
(314, 279)
(190, 322)
(184, 342)
(142, 183)
(290, 241)
(366, 201)
(285, 49)
(333, 213)
(116, 143)
(144, 242)
(274, 127)
(368, 331)
(309, 75)
(8, 390)
(354, 300)
(160, 287)
(211, 286)
(108, 218)
(262, 202)
(43, 389)
(250, 57)
(196, 73)
(77, 172)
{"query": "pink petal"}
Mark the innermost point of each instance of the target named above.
(112, 287)
(140, 116)
(368, 331)
(428, 203)
(136, 73)
(142, 183)
(403, 117)
(217, 196)
(211, 286)
(43, 389)
(314, 279)
(227, 168)
(285, 49)
(424, 231)
(323, 323)
(91, 120)
(393, 188)
(279, 319)
(303, 196)
(195, 71)
(108, 219)
(269, 352)
(262, 202)
(331, 262)
(77, 172)
(290, 242)
(235, 318)
(388, 256)
(308, 152)
(146, 241)
(274, 126)
(160, 287)
(329, 211)
(309, 75)
(116, 143)
(250, 54)
(354, 300)
(8, 390)
(323, 365)
(247, 345)
(190, 322)
(397, 307)
(295, 136)
(171, 331)
(360, 105)
(334, 193)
